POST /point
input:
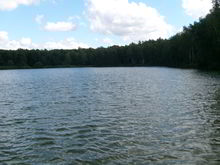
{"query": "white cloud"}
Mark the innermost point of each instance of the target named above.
(3, 36)
(60, 26)
(69, 43)
(13, 4)
(197, 8)
(6, 43)
(39, 18)
(26, 43)
(132, 21)
(108, 41)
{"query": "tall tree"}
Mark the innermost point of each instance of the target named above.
(216, 4)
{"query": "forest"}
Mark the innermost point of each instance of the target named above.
(197, 46)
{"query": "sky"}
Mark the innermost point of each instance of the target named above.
(70, 24)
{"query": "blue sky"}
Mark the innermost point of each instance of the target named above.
(67, 24)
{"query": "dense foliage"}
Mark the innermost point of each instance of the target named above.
(197, 46)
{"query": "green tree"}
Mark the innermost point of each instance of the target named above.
(216, 4)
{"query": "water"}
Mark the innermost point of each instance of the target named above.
(109, 116)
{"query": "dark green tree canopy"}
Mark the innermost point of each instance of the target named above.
(216, 4)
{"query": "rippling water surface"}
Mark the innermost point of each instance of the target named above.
(109, 116)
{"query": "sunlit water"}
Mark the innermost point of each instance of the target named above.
(109, 116)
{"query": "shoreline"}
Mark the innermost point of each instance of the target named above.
(89, 66)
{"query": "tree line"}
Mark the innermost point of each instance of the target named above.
(197, 46)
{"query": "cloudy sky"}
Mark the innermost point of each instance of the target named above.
(68, 24)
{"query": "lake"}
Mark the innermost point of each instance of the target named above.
(109, 116)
